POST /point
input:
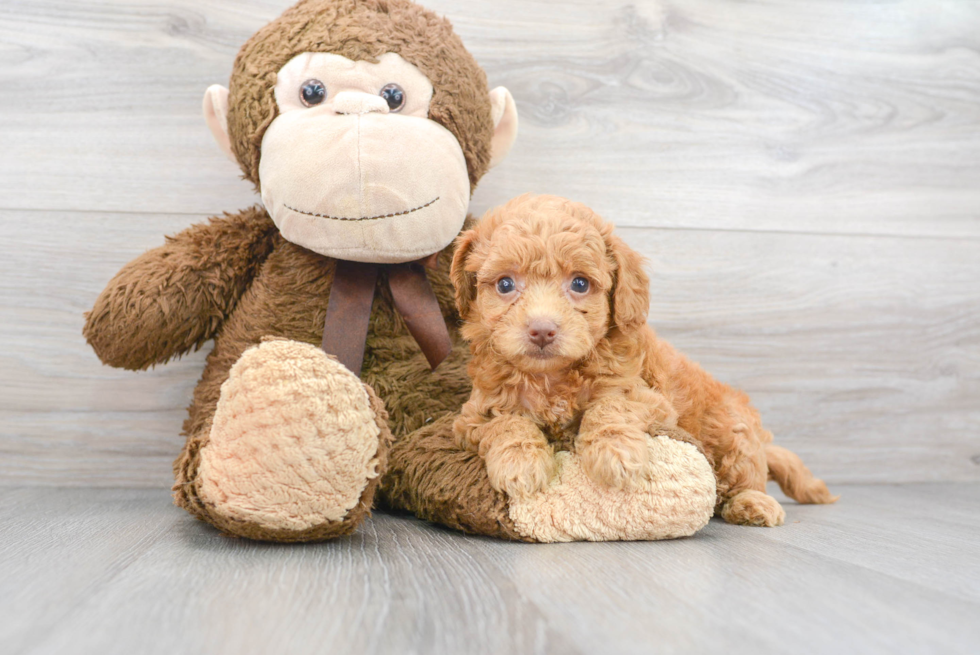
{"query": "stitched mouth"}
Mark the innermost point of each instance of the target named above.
(363, 218)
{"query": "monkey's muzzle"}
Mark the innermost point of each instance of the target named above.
(378, 188)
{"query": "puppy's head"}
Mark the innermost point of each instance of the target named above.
(540, 281)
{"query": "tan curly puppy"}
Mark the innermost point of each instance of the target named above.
(555, 309)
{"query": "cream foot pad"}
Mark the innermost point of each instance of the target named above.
(294, 440)
(677, 500)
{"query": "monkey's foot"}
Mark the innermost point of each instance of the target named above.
(296, 447)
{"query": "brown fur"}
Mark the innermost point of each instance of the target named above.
(237, 281)
(174, 298)
(362, 30)
(430, 476)
(288, 299)
(607, 372)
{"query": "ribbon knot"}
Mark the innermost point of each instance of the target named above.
(349, 310)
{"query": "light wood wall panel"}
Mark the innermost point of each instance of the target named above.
(804, 178)
(840, 116)
(863, 353)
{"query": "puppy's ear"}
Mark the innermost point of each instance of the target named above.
(631, 288)
(463, 281)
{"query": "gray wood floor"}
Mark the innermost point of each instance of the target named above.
(891, 569)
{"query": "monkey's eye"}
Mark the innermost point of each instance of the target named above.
(394, 95)
(580, 285)
(312, 92)
(505, 285)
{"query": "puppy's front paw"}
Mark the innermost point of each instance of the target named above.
(520, 471)
(616, 456)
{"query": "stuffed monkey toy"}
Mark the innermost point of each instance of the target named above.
(337, 366)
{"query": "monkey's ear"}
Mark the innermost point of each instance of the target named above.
(504, 112)
(463, 281)
(216, 115)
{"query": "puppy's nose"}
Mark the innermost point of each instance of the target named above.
(542, 332)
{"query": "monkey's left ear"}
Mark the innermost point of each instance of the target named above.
(504, 113)
(216, 115)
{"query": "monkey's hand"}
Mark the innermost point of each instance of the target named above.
(175, 297)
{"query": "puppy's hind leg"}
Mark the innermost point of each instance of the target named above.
(741, 473)
(742, 497)
(752, 507)
(794, 478)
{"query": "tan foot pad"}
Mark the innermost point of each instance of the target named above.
(294, 441)
(677, 500)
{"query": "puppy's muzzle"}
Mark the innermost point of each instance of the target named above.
(541, 332)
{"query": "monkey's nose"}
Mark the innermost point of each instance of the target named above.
(542, 331)
(357, 102)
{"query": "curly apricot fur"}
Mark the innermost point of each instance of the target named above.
(606, 374)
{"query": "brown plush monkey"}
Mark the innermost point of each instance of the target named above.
(365, 125)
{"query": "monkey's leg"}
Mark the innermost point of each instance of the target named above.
(430, 476)
(293, 452)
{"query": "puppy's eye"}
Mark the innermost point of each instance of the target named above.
(312, 92)
(394, 95)
(505, 285)
(580, 285)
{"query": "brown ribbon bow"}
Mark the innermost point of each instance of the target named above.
(349, 310)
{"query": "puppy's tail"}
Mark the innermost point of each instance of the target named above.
(794, 478)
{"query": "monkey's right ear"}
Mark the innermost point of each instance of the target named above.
(504, 113)
(216, 115)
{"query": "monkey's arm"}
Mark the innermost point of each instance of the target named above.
(175, 297)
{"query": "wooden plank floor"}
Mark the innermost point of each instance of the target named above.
(888, 569)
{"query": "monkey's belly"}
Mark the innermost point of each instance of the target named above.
(414, 394)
